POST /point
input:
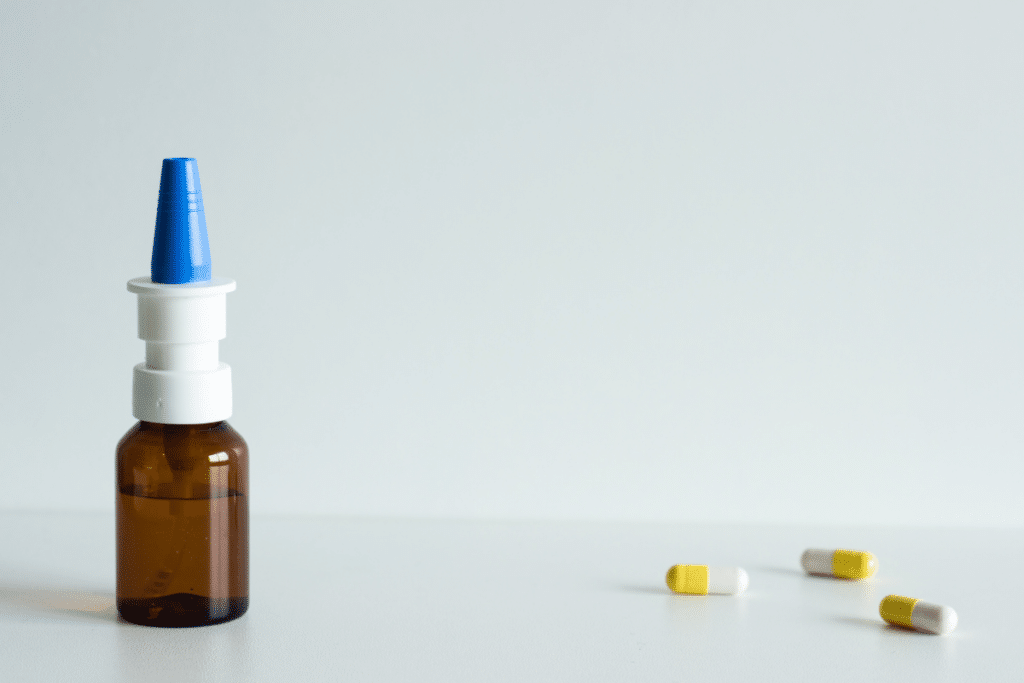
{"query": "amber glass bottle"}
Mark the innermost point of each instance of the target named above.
(182, 524)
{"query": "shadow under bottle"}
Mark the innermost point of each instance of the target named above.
(182, 524)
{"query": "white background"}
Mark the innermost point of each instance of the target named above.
(643, 261)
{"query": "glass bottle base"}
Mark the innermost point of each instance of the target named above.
(181, 610)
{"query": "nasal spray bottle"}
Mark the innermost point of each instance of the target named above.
(182, 471)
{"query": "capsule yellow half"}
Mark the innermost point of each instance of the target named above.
(898, 610)
(691, 579)
(853, 564)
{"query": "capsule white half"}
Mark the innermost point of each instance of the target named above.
(932, 618)
(727, 580)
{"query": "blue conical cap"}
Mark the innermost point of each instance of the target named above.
(181, 249)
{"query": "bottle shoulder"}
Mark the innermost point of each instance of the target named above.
(213, 442)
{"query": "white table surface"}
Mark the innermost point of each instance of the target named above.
(362, 600)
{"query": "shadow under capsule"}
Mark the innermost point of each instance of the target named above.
(788, 571)
(882, 627)
(646, 589)
(866, 623)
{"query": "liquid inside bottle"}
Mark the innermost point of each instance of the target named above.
(182, 524)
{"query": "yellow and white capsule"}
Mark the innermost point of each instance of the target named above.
(700, 579)
(845, 564)
(923, 616)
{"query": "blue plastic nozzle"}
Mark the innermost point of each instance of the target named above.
(181, 249)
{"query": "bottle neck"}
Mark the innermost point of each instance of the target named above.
(203, 356)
